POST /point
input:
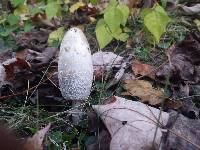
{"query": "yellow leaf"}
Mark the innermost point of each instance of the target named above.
(66, 1)
(22, 9)
(56, 36)
(197, 22)
(76, 6)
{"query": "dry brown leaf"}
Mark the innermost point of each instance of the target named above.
(41, 19)
(146, 93)
(143, 69)
(183, 61)
(36, 142)
(175, 104)
(15, 65)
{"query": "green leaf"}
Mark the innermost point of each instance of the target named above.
(15, 3)
(197, 22)
(52, 9)
(120, 36)
(113, 3)
(117, 33)
(103, 35)
(13, 19)
(56, 137)
(125, 11)
(156, 21)
(113, 18)
(94, 1)
(56, 36)
(28, 26)
(7, 30)
(35, 10)
(123, 37)
(144, 12)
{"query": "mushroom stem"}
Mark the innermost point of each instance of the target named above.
(78, 112)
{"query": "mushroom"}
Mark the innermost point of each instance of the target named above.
(75, 69)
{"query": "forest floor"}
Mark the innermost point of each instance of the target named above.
(155, 62)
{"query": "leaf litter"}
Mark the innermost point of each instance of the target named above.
(35, 63)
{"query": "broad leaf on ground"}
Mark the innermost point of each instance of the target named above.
(16, 2)
(156, 21)
(102, 33)
(131, 124)
(56, 36)
(125, 11)
(13, 19)
(113, 18)
(52, 9)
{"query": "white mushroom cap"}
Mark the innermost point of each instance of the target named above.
(75, 69)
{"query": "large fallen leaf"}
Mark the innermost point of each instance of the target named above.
(36, 142)
(132, 125)
(183, 133)
(143, 69)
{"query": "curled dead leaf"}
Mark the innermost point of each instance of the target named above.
(15, 65)
(143, 69)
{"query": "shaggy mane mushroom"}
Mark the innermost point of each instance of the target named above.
(75, 69)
